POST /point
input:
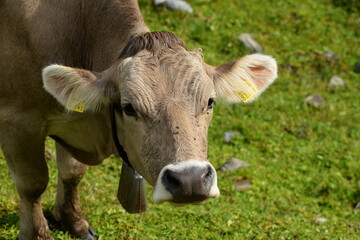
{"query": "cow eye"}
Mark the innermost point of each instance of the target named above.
(211, 103)
(129, 110)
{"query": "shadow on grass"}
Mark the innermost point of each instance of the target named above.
(9, 221)
(8, 218)
(53, 224)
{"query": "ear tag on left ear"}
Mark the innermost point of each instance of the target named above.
(132, 193)
(73, 105)
(246, 95)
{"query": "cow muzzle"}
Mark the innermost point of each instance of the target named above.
(186, 182)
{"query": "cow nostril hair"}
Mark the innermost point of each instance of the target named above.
(170, 181)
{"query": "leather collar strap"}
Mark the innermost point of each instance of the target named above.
(131, 192)
(118, 146)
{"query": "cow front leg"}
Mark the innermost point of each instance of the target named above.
(25, 157)
(68, 210)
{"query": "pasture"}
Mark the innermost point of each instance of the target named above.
(304, 161)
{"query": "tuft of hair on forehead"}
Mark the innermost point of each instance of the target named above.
(151, 41)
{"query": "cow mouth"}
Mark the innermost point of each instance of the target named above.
(188, 200)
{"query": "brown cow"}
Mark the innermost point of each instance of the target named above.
(107, 55)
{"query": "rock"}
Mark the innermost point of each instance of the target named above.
(336, 82)
(320, 220)
(357, 207)
(159, 2)
(232, 164)
(175, 5)
(302, 55)
(302, 132)
(250, 43)
(229, 135)
(243, 184)
(287, 68)
(48, 155)
(316, 101)
(331, 56)
(357, 68)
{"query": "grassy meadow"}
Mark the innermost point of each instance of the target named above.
(304, 161)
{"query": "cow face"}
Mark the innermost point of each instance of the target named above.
(164, 96)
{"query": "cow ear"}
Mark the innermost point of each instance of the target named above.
(244, 79)
(77, 89)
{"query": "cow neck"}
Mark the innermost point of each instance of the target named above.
(117, 143)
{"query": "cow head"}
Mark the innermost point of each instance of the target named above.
(165, 96)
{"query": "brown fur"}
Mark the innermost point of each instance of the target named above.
(33, 34)
(168, 86)
(152, 42)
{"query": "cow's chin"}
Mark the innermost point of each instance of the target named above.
(181, 204)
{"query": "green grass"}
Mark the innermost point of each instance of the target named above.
(294, 179)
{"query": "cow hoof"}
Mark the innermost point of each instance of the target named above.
(90, 235)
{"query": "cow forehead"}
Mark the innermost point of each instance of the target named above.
(170, 65)
(175, 74)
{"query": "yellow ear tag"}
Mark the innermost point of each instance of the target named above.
(77, 108)
(71, 104)
(246, 96)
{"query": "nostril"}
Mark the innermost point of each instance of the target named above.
(208, 176)
(170, 182)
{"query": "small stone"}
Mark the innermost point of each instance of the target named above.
(357, 207)
(48, 155)
(357, 68)
(302, 55)
(331, 56)
(316, 101)
(336, 82)
(320, 220)
(250, 43)
(175, 5)
(243, 184)
(288, 68)
(302, 132)
(159, 2)
(232, 164)
(229, 135)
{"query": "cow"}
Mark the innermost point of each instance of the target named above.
(63, 64)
